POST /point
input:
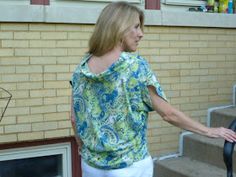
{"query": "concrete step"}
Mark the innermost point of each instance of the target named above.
(206, 150)
(186, 167)
(223, 117)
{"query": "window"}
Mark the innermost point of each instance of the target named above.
(50, 166)
(40, 161)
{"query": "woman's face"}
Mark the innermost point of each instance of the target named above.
(132, 37)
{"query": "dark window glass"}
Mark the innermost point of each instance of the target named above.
(46, 166)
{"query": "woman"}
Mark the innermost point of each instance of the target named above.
(113, 91)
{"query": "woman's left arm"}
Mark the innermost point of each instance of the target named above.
(178, 118)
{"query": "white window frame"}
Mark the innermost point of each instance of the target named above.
(184, 2)
(63, 149)
(87, 2)
(131, 1)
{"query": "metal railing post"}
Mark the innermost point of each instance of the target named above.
(228, 152)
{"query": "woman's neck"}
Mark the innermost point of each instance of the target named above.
(112, 55)
(98, 64)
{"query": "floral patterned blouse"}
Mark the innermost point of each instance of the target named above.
(111, 111)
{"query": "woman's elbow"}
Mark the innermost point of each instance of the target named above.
(168, 115)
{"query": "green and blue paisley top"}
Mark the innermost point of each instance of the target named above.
(111, 111)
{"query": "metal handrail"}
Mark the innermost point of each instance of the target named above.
(8, 101)
(228, 152)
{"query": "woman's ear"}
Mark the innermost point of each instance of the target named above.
(122, 44)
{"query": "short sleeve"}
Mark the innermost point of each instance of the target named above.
(151, 80)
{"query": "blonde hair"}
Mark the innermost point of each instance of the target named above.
(114, 20)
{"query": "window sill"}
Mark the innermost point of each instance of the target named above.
(194, 19)
(88, 15)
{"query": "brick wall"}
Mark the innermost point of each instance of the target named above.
(196, 67)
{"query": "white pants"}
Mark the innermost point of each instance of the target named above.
(142, 168)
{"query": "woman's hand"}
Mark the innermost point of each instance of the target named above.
(221, 132)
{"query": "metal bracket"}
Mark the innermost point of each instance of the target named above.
(8, 98)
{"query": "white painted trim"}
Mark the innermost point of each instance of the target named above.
(184, 2)
(175, 155)
(89, 15)
(90, 1)
(169, 156)
(181, 141)
(44, 150)
(213, 109)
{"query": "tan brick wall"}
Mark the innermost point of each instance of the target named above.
(196, 67)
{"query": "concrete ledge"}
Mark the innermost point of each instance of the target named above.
(21, 13)
(89, 15)
(198, 19)
(72, 14)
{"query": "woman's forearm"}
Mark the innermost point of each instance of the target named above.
(181, 120)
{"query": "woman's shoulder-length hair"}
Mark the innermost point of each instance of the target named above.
(114, 20)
